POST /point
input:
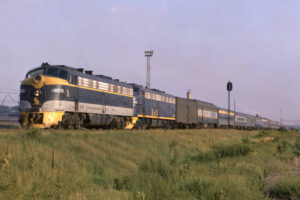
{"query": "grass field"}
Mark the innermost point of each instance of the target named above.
(152, 164)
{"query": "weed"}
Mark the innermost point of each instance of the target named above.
(34, 133)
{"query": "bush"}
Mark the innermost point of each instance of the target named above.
(205, 156)
(223, 151)
(283, 129)
(262, 133)
(203, 189)
(288, 188)
(34, 133)
(123, 183)
(232, 150)
(282, 147)
(296, 148)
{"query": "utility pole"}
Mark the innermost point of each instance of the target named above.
(148, 54)
(229, 89)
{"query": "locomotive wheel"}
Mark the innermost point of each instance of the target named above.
(78, 122)
(68, 121)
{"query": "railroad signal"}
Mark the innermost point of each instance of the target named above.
(229, 89)
(229, 86)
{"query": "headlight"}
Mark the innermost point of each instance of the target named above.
(37, 79)
(37, 93)
(58, 90)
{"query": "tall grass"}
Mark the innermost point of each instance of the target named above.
(286, 188)
(153, 164)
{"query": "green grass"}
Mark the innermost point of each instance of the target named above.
(152, 164)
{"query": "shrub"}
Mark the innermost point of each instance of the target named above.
(123, 183)
(223, 151)
(296, 148)
(232, 150)
(282, 147)
(262, 133)
(203, 189)
(283, 129)
(205, 156)
(34, 133)
(287, 188)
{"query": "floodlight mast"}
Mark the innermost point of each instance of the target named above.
(148, 54)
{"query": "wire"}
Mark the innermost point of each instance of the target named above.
(8, 96)
(8, 89)
(5, 92)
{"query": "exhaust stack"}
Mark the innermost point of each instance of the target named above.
(189, 94)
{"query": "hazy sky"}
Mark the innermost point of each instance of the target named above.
(198, 45)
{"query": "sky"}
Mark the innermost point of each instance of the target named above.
(198, 45)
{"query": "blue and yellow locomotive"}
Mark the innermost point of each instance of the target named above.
(61, 96)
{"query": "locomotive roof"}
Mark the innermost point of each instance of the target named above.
(151, 90)
(244, 114)
(77, 72)
(206, 104)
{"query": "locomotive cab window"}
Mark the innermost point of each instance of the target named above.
(35, 72)
(73, 79)
(56, 72)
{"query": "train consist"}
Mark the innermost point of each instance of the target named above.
(58, 96)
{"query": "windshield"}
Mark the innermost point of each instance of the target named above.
(36, 72)
(52, 71)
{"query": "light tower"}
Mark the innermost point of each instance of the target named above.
(148, 54)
